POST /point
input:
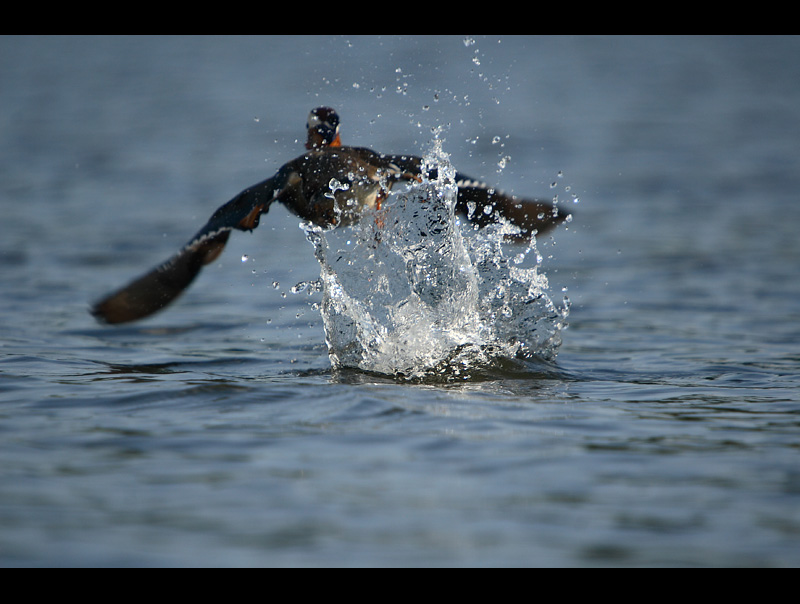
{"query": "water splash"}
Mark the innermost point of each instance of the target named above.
(412, 291)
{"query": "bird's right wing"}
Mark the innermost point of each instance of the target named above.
(158, 288)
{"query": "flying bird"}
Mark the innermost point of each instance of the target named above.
(330, 185)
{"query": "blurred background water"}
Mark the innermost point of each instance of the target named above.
(667, 432)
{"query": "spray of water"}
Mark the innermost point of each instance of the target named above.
(412, 292)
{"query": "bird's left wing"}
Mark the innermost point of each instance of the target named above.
(483, 204)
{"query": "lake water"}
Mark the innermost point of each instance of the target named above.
(665, 432)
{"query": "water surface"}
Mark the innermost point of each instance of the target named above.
(665, 431)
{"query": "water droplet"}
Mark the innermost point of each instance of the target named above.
(300, 287)
(334, 185)
(244, 258)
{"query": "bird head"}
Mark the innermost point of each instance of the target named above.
(323, 128)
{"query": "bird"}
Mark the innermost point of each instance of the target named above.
(330, 185)
(480, 203)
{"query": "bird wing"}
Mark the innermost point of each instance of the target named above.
(158, 288)
(483, 204)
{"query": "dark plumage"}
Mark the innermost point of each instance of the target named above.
(363, 178)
